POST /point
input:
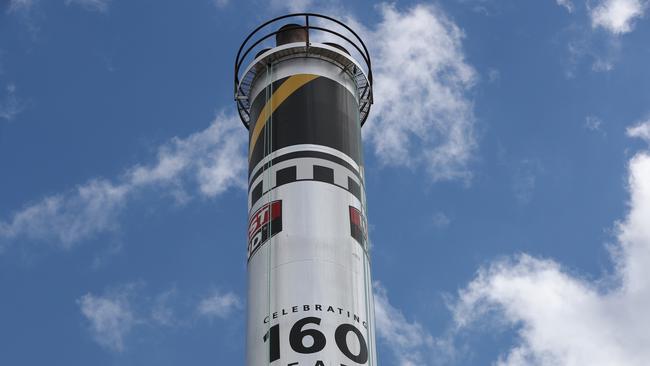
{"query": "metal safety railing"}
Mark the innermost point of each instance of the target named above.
(362, 77)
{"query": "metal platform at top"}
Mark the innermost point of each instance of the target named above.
(361, 74)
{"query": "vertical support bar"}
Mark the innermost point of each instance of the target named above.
(307, 31)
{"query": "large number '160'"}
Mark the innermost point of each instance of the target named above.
(297, 334)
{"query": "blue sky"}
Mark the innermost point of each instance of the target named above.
(507, 164)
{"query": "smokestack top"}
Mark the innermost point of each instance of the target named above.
(294, 40)
(291, 33)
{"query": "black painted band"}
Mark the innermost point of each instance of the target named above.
(304, 154)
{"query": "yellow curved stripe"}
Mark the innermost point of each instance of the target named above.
(284, 91)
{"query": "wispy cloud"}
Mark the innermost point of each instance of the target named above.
(127, 312)
(567, 4)
(524, 180)
(409, 341)
(599, 40)
(26, 11)
(19, 5)
(100, 6)
(617, 16)
(212, 159)
(493, 75)
(11, 105)
(640, 130)
(163, 309)
(563, 319)
(593, 123)
(422, 116)
(218, 305)
(110, 318)
(69, 218)
(440, 220)
(603, 51)
(484, 7)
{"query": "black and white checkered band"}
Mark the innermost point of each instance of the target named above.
(305, 165)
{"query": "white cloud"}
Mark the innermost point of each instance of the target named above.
(602, 64)
(128, 311)
(525, 180)
(10, 105)
(69, 218)
(567, 4)
(494, 75)
(483, 7)
(19, 5)
(162, 311)
(563, 319)
(602, 52)
(593, 123)
(410, 343)
(603, 49)
(27, 12)
(422, 116)
(218, 305)
(212, 158)
(440, 220)
(405, 339)
(640, 130)
(617, 16)
(91, 5)
(109, 316)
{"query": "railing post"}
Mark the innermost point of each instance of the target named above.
(307, 30)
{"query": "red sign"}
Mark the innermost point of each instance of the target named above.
(358, 226)
(263, 224)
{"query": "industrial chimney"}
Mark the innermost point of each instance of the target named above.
(310, 298)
